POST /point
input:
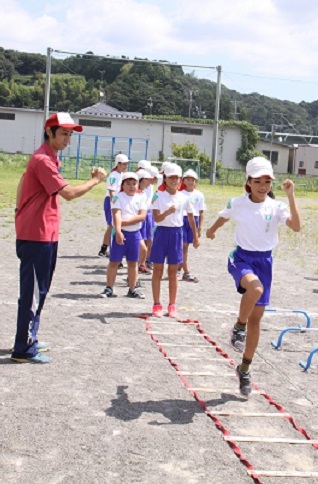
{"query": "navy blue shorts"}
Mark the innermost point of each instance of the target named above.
(148, 226)
(242, 262)
(108, 211)
(130, 249)
(167, 245)
(187, 230)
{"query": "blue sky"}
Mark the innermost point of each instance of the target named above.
(263, 46)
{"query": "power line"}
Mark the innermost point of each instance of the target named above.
(271, 78)
(126, 59)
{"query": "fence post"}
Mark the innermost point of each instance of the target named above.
(95, 149)
(78, 156)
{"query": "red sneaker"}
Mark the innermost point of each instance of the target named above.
(172, 311)
(157, 310)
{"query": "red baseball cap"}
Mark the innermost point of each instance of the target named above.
(63, 120)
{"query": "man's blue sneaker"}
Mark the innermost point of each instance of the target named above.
(42, 348)
(38, 358)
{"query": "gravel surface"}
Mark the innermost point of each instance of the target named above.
(111, 409)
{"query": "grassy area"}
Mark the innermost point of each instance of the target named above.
(216, 196)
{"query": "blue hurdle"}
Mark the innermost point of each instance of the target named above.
(300, 328)
(306, 365)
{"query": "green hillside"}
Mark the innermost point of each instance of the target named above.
(152, 89)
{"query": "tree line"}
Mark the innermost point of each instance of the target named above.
(151, 89)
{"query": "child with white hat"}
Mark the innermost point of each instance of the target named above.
(188, 188)
(257, 216)
(129, 210)
(112, 187)
(147, 226)
(168, 205)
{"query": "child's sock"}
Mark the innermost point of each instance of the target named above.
(245, 365)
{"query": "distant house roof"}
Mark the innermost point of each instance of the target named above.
(103, 109)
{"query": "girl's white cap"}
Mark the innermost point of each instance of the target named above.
(172, 169)
(144, 164)
(191, 174)
(143, 174)
(154, 172)
(128, 175)
(121, 158)
(259, 166)
(163, 166)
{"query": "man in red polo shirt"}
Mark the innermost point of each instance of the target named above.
(37, 230)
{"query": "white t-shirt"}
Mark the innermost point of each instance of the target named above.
(197, 199)
(162, 201)
(129, 207)
(113, 182)
(149, 194)
(256, 223)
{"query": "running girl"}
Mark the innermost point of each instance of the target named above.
(168, 205)
(257, 218)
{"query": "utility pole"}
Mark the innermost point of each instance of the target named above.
(101, 90)
(150, 104)
(190, 102)
(216, 126)
(273, 132)
(47, 84)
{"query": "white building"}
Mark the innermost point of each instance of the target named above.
(305, 160)
(21, 132)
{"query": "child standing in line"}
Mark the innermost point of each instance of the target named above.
(257, 218)
(168, 205)
(112, 188)
(129, 210)
(147, 225)
(188, 188)
(154, 181)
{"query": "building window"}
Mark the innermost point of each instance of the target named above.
(7, 116)
(95, 122)
(316, 164)
(183, 130)
(273, 156)
(301, 164)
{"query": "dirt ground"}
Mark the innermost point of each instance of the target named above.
(111, 409)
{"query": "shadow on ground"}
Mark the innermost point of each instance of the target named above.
(180, 412)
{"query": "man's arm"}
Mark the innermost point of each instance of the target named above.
(69, 192)
(19, 191)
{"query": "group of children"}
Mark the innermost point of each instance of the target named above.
(151, 228)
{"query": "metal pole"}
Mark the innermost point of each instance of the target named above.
(216, 126)
(47, 85)
(190, 102)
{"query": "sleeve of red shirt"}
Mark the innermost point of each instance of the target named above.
(47, 172)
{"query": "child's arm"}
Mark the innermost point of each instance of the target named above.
(210, 233)
(196, 241)
(117, 222)
(201, 219)
(293, 221)
(159, 217)
(135, 219)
